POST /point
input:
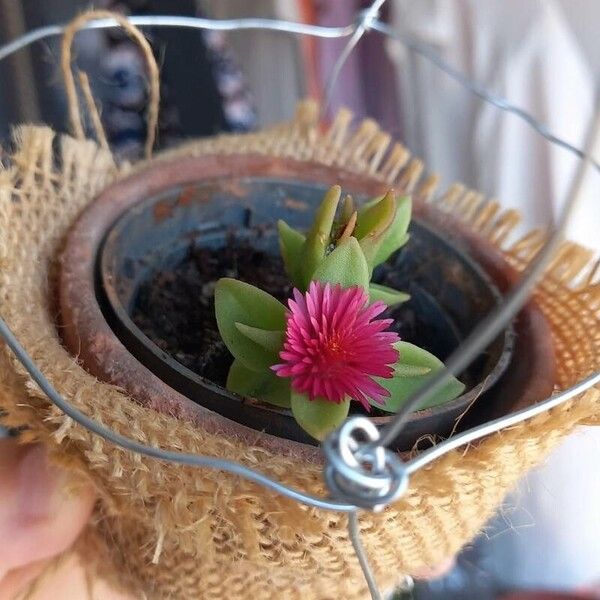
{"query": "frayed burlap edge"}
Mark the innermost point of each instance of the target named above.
(178, 532)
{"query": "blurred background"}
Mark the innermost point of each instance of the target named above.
(543, 55)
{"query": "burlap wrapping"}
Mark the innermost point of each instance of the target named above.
(168, 531)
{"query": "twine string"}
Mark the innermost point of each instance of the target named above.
(84, 82)
(75, 119)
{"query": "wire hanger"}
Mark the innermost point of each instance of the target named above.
(360, 475)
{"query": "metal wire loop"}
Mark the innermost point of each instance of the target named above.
(358, 470)
(349, 445)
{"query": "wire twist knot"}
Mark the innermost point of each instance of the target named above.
(366, 18)
(359, 471)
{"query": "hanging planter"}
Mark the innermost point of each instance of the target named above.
(160, 240)
(85, 239)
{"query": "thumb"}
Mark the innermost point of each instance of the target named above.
(42, 510)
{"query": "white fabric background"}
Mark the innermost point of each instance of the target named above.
(544, 57)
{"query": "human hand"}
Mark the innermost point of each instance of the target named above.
(437, 572)
(42, 511)
(41, 514)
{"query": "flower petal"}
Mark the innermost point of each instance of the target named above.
(335, 347)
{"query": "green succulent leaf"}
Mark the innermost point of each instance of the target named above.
(407, 380)
(396, 235)
(290, 245)
(387, 295)
(372, 226)
(318, 417)
(401, 370)
(238, 302)
(263, 386)
(272, 341)
(375, 216)
(319, 237)
(347, 209)
(346, 265)
(366, 206)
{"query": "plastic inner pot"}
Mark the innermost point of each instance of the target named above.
(449, 291)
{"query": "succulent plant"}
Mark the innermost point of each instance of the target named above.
(379, 226)
(328, 346)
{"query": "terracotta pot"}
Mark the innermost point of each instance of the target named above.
(159, 210)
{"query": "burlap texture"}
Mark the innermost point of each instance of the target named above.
(174, 532)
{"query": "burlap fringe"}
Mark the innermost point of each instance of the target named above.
(74, 111)
(178, 532)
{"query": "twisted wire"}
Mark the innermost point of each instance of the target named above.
(364, 23)
(340, 474)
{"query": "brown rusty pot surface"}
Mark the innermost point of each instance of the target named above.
(88, 335)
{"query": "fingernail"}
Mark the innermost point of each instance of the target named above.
(40, 485)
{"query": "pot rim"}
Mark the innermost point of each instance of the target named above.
(88, 233)
(122, 323)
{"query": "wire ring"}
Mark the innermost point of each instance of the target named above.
(349, 445)
(359, 471)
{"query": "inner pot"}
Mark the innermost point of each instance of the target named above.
(159, 261)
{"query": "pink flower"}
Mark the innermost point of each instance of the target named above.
(334, 346)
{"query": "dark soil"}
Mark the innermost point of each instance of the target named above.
(175, 307)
